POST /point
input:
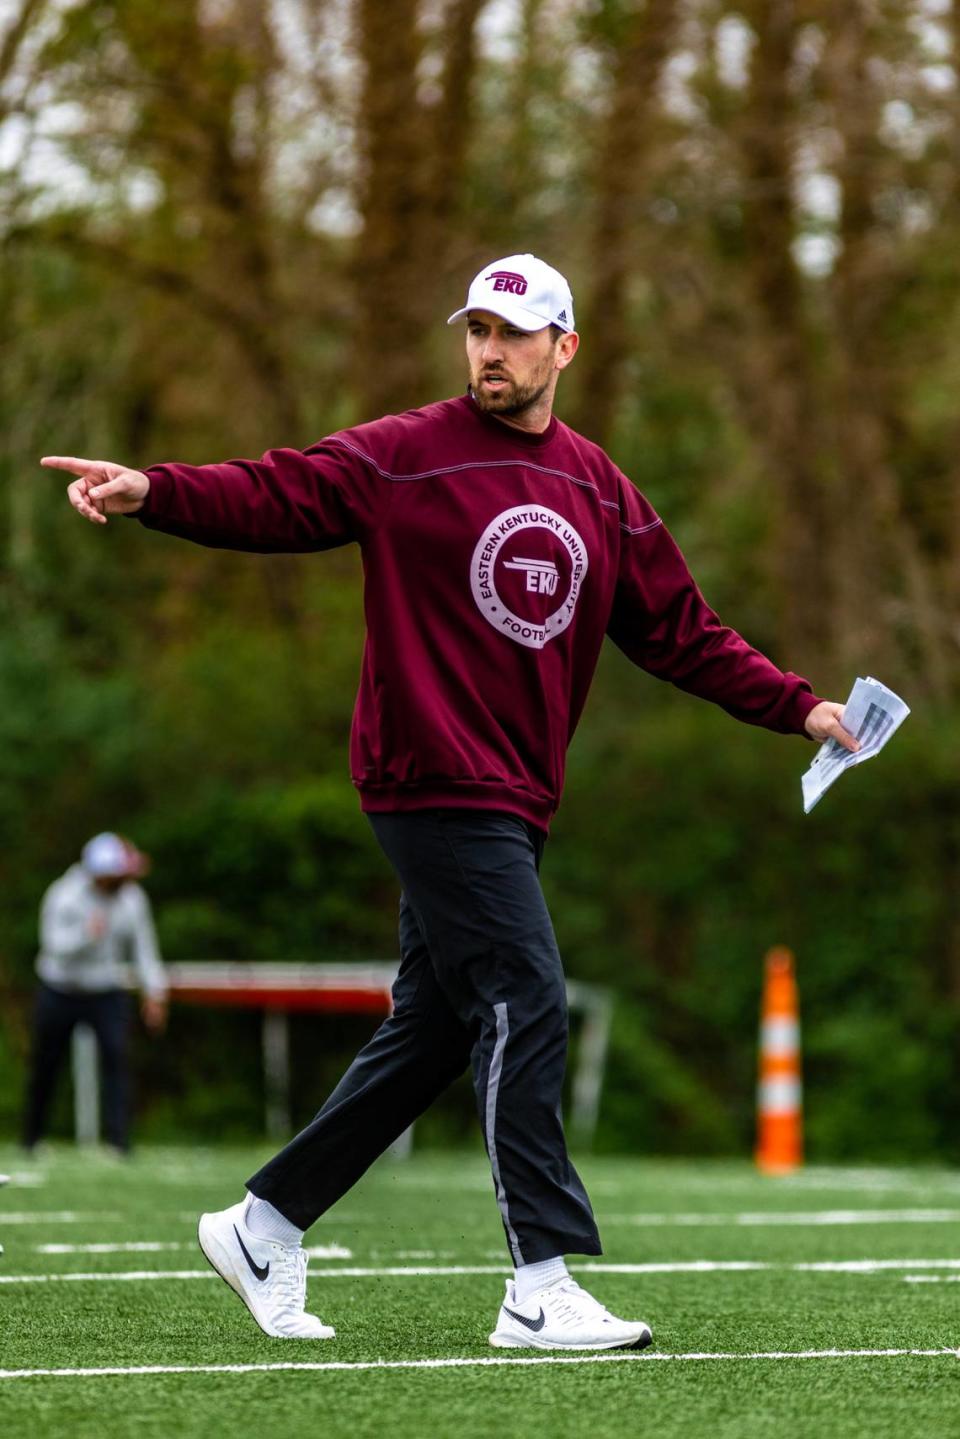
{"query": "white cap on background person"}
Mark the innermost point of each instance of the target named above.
(110, 856)
(524, 291)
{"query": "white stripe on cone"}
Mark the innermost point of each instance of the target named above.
(780, 1094)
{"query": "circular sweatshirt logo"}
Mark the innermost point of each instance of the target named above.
(526, 574)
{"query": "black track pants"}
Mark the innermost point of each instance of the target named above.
(55, 1016)
(480, 983)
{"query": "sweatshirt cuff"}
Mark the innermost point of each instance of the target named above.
(803, 703)
(158, 495)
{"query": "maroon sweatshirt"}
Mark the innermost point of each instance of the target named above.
(495, 561)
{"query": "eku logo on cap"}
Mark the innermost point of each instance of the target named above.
(509, 281)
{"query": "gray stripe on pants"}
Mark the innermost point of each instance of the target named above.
(493, 1086)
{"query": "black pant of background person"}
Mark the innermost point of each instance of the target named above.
(480, 982)
(56, 1013)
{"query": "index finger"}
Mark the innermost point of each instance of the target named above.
(69, 462)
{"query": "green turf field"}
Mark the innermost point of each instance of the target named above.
(739, 1277)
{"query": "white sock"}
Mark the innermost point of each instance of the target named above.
(531, 1277)
(268, 1223)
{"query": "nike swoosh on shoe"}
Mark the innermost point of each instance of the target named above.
(533, 1324)
(261, 1272)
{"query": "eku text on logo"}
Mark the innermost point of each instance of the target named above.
(542, 575)
(507, 281)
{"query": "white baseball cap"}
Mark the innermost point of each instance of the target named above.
(522, 290)
(108, 856)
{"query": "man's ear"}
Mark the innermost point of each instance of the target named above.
(567, 347)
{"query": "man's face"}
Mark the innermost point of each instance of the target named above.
(111, 883)
(510, 369)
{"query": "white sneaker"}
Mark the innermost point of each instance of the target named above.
(270, 1277)
(563, 1316)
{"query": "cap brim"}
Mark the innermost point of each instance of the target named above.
(513, 314)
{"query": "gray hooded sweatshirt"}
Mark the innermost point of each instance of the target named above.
(72, 961)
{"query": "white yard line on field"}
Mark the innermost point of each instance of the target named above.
(872, 1181)
(115, 1275)
(932, 1278)
(872, 1266)
(139, 1246)
(813, 1216)
(441, 1271)
(726, 1266)
(156, 1246)
(339, 1366)
(58, 1216)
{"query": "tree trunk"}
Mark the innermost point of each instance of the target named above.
(780, 398)
(196, 73)
(451, 120)
(392, 267)
(414, 161)
(890, 618)
(620, 184)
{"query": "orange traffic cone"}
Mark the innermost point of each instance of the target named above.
(780, 1092)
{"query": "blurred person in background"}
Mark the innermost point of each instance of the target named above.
(500, 548)
(95, 923)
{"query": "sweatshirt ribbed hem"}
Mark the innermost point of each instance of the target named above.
(455, 794)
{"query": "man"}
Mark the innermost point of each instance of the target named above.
(93, 920)
(499, 548)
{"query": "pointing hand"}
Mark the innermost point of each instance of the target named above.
(101, 488)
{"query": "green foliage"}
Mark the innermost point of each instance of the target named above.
(286, 873)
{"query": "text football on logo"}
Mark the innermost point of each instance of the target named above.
(507, 281)
(543, 530)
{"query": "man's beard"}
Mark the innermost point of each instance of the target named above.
(512, 400)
